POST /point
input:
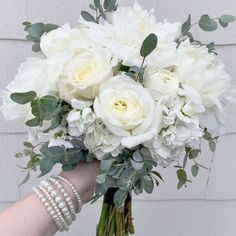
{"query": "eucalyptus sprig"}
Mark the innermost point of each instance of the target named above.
(36, 31)
(207, 24)
(100, 10)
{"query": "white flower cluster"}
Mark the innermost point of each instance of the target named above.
(184, 91)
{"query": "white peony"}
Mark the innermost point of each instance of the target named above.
(66, 40)
(162, 83)
(128, 110)
(101, 142)
(39, 75)
(85, 73)
(126, 30)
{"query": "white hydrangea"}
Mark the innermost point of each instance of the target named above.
(101, 142)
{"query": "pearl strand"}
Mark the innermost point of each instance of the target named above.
(59, 201)
(49, 209)
(75, 192)
(56, 209)
(66, 196)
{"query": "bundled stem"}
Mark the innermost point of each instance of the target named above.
(113, 221)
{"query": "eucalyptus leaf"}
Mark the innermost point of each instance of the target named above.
(186, 26)
(120, 197)
(101, 178)
(227, 18)
(33, 122)
(182, 176)
(23, 98)
(207, 24)
(28, 144)
(25, 179)
(36, 47)
(91, 6)
(46, 165)
(194, 170)
(97, 3)
(109, 5)
(149, 45)
(87, 16)
(212, 145)
(137, 165)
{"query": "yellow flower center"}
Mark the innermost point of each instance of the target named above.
(120, 105)
(82, 73)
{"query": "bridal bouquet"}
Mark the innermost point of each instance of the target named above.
(125, 89)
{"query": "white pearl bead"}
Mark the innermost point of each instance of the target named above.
(50, 208)
(43, 200)
(49, 188)
(54, 193)
(66, 195)
(58, 199)
(61, 205)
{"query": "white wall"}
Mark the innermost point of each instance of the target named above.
(208, 206)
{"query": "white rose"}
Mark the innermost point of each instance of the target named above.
(128, 110)
(65, 39)
(85, 73)
(39, 75)
(101, 142)
(126, 30)
(162, 83)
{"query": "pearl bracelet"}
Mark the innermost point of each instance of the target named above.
(50, 210)
(75, 192)
(56, 211)
(57, 202)
(58, 199)
(66, 197)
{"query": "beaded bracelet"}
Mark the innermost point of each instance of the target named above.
(59, 201)
(66, 196)
(75, 192)
(50, 210)
(55, 207)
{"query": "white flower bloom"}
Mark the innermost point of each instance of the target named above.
(101, 142)
(64, 39)
(202, 72)
(128, 110)
(85, 73)
(126, 31)
(162, 83)
(80, 121)
(39, 75)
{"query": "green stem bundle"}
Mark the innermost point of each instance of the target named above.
(113, 221)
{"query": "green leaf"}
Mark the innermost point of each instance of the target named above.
(97, 3)
(149, 45)
(212, 145)
(28, 144)
(33, 122)
(106, 164)
(46, 165)
(227, 19)
(23, 98)
(186, 26)
(223, 24)
(68, 167)
(101, 178)
(36, 31)
(148, 184)
(137, 156)
(194, 153)
(25, 179)
(158, 175)
(36, 47)
(54, 124)
(87, 16)
(194, 170)
(110, 5)
(50, 27)
(91, 6)
(207, 24)
(182, 177)
(120, 197)
(137, 165)
(18, 155)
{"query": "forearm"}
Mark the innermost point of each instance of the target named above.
(28, 217)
